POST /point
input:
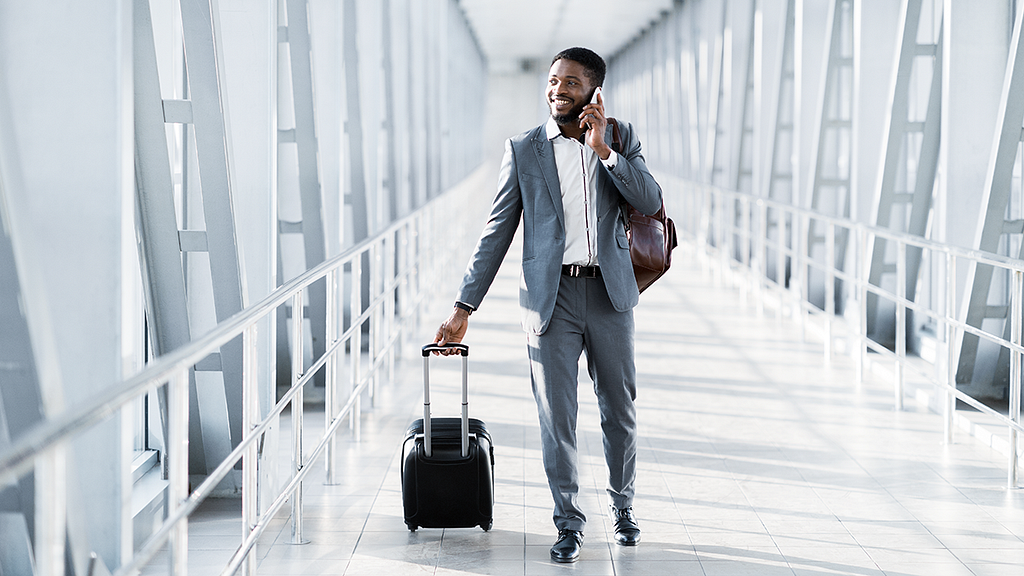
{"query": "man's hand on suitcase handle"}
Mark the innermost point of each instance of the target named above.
(452, 331)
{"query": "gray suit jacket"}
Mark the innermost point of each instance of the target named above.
(528, 188)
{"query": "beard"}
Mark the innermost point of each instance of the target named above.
(568, 117)
(573, 115)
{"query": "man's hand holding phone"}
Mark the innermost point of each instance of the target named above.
(593, 120)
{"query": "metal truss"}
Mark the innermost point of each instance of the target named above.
(830, 182)
(909, 143)
(743, 177)
(689, 41)
(296, 34)
(987, 297)
(356, 196)
(21, 407)
(717, 158)
(782, 174)
(165, 247)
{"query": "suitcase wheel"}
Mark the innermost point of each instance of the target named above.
(487, 526)
(412, 527)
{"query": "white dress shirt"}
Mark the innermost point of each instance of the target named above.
(577, 166)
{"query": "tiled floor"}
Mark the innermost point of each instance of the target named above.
(755, 459)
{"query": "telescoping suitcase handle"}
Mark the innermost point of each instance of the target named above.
(464, 352)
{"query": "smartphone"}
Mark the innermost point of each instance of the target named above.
(593, 100)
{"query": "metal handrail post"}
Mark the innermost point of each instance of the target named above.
(356, 341)
(714, 231)
(723, 252)
(376, 289)
(949, 398)
(830, 289)
(177, 466)
(718, 209)
(762, 256)
(297, 401)
(728, 232)
(331, 375)
(733, 231)
(389, 303)
(51, 505)
(851, 294)
(250, 465)
(901, 323)
(416, 279)
(780, 258)
(801, 269)
(747, 230)
(707, 229)
(862, 303)
(403, 260)
(1015, 374)
(745, 242)
(703, 229)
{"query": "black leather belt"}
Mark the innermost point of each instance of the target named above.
(577, 271)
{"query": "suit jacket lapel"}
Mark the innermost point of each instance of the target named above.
(545, 152)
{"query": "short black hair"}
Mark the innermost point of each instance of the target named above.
(589, 59)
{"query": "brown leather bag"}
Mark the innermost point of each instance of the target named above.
(651, 238)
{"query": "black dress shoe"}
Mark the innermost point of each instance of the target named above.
(567, 547)
(627, 531)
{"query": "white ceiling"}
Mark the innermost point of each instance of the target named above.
(513, 31)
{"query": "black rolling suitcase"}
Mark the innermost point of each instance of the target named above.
(447, 469)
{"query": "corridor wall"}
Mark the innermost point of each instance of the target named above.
(824, 105)
(124, 238)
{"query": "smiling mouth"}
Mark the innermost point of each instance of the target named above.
(561, 102)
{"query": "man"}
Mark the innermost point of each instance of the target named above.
(577, 289)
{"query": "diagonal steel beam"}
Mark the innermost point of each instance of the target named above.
(314, 242)
(995, 198)
(160, 253)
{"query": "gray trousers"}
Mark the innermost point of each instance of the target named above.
(584, 320)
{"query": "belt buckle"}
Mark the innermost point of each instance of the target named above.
(579, 271)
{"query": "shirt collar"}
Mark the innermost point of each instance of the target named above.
(551, 129)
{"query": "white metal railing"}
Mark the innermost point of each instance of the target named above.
(732, 230)
(403, 262)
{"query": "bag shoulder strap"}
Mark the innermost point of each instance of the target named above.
(616, 144)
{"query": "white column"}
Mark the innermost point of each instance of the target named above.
(978, 39)
(249, 41)
(67, 152)
(876, 38)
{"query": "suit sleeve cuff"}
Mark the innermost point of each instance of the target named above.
(467, 307)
